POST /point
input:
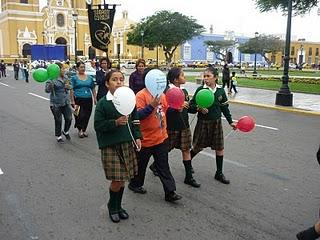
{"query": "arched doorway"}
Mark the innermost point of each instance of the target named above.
(92, 52)
(63, 41)
(26, 50)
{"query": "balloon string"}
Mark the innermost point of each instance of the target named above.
(134, 141)
(232, 131)
(193, 119)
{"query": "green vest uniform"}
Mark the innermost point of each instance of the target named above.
(108, 133)
(220, 105)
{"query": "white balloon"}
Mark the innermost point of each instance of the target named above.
(156, 82)
(124, 100)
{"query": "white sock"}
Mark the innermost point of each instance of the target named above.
(60, 137)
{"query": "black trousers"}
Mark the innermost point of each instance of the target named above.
(3, 73)
(160, 155)
(16, 74)
(82, 120)
(224, 83)
(57, 114)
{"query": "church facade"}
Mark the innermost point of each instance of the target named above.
(23, 23)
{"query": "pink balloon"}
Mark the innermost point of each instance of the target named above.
(246, 124)
(175, 97)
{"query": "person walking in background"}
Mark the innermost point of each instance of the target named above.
(233, 83)
(178, 125)
(117, 152)
(60, 104)
(83, 95)
(226, 76)
(101, 77)
(136, 82)
(153, 124)
(208, 131)
(16, 68)
(3, 71)
(25, 69)
(313, 232)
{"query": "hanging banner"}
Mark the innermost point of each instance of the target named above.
(100, 23)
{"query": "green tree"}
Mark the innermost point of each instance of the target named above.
(263, 45)
(165, 29)
(299, 6)
(220, 48)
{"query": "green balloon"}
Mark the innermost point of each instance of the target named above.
(53, 71)
(205, 98)
(40, 75)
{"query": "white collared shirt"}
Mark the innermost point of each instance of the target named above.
(109, 96)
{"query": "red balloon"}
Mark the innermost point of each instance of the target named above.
(246, 124)
(175, 97)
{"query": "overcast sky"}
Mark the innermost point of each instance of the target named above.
(240, 16)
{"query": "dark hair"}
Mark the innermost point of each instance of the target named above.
(109, 74)
(213, 70)
(233, 73)
(105, 59)
(59, 64)
(79, 63)
(173, 74)
(140, 60)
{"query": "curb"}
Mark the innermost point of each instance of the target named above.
(284, 109)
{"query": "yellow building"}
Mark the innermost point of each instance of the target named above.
(22, 24)
(301, 52)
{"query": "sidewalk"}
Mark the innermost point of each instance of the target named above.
(303, 103)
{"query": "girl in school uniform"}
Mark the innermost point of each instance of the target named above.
(178, 128)
(208, 131)
(117, 149)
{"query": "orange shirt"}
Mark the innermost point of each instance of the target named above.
(153, 127)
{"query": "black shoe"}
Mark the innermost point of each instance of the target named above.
(67, 135)
(114, 216)
(140, 190)
(123, 214)
(308, 234)
(154, 170)
(172, 197)
(192, 182)
(221, 178)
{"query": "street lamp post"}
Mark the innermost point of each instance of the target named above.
(142, 43)
(256, 35)
(75, 19)
(284, 97)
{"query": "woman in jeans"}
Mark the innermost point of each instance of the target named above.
(82, 96)
(60, 104)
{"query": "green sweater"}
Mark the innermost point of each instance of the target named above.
(107, 132)
(177, 120)
(220, 105)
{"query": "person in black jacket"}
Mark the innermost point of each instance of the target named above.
(16, 68)
(226, 76)
(313, 232)
(101, 77)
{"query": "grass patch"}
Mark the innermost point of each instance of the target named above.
(272, 85)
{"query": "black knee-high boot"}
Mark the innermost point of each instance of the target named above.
(113, 206)
(122, 213)
(189, 179)
(219, 175)
(308, 234)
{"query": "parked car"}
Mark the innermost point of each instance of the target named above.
(128, 65)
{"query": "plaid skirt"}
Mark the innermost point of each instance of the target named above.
(179, 139)
(208, 133)
(119, 162)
